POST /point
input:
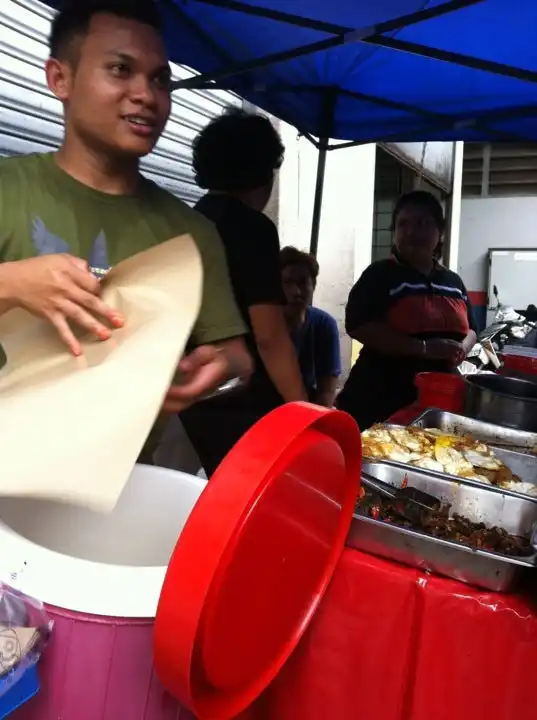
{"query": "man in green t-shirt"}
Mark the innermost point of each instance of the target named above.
(87, 205)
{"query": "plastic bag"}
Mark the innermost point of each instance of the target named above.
(24, 631)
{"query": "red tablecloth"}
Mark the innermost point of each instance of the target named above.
(390, 643)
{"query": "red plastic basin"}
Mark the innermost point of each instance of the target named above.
(519, 363)
(441, 390)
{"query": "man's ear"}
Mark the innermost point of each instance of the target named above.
(59, 78)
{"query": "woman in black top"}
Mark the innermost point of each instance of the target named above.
(235, 159)
(410, 313)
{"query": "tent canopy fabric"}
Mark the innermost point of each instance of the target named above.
(390, 70)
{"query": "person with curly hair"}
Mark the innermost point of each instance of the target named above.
(235, 158)
(314, 332)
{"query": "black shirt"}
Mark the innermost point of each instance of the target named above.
(411, 303)
(252, 249)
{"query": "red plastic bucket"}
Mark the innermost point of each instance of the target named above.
(441, 390)
(519, 363)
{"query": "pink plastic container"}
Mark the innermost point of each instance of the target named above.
(108, 569)
(108, 663)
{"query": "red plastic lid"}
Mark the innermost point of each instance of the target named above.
(255, 558)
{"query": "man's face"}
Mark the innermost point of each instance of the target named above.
(117, 97)
(416, 234)
(298, 286)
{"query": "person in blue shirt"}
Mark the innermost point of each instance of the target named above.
(314, 332)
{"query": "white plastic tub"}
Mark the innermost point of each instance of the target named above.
(104, 564)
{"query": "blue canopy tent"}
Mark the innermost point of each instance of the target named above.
(360, 71)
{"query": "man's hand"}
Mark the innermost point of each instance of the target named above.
(449, 350)
(59, 288)
(205, 369)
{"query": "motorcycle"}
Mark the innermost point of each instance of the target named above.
(510, 327)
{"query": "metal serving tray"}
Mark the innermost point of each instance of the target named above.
(487, 570)
(452, 424)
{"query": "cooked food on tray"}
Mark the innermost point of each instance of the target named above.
(455, 528)
(432, 449)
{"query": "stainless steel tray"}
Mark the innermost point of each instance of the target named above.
(522, 464)
(487, 570)
(519, 440)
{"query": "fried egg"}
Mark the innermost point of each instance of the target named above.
(428, 463)
(407, 440)
(482, 460)
(453, 461)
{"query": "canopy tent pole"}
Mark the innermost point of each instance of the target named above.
(327, 121)
(318, 198)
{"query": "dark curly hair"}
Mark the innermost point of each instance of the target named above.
(237, 151)
(73, 20)
(424, 200)
(292, 256)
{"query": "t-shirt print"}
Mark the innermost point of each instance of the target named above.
(45, 211)
(46, 243)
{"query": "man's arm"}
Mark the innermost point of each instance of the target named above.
(326, 391)
(205, 369)
(7, 301)
(276, 350)
(60, 289)
(327, 361)
(258, 251)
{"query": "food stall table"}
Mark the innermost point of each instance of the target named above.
(392, 643)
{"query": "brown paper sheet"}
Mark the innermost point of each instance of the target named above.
(71, 428)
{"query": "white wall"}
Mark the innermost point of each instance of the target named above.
(345, 237)
(509, 222)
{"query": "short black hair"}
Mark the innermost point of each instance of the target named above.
(237, 151)
(424, 200)
(293, 256)
(75, 16)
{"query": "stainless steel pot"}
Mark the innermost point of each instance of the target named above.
(503, 400)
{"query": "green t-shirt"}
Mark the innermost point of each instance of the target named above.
(43, 211)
